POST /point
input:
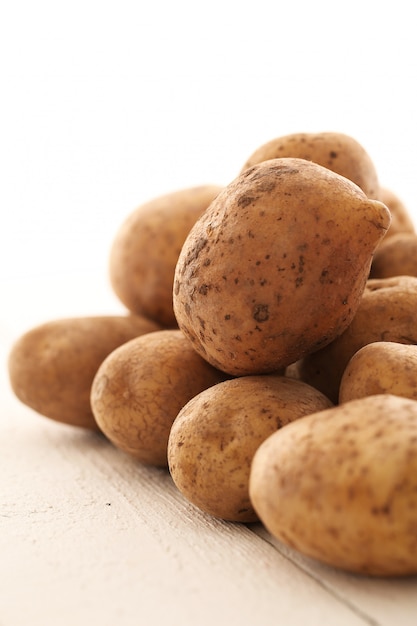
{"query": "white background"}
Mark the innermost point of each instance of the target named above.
(105, 105)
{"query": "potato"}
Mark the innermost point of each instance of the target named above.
(215, 435)
(401, 220)
(276, 266)
(336, 151)
(146, 248)
(396, 256)
(51, 367)
(387, 312)
(340, 485)
(140, 388)
(380, 367)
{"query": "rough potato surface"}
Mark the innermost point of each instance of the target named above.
(336, 151)
(401, 220)
(214, 437)
(146, 249)
(52, 366)
(140, 388)
(395, 256)
(341, 485)
(387, 312)
(276, 266)
(380, 367)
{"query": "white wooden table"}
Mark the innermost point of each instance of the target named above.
(89, 536)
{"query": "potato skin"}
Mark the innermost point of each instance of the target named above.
(276, 266)
(401, 220)
(387, 312)
(341, 485)
(146, 248)
(215, 435)
(51, 367)
(336, 151)
(380, 367)
(140, 388)
(395, 256)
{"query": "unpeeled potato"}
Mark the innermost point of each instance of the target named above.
(401, 219)
(341, 485)
(380, 367)
(140, 388)
(395, 256)
(51, 367)
(386, 312)
(145, 250)
(276, 266)
(336, 151)
(215, 435)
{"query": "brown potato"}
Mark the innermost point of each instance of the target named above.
(341, 485)
(146, 248)
(395, 256)
(380, 367)
(52, 366)
(401, 220)
(387, 312)
(215, 435)
(276, 266)
(140, 388)
(336, 151)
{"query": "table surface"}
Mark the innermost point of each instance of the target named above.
(88, 535)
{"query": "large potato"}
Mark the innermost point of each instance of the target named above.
(51, 367)
(341, 485)
(146, 248)
(336, 151)
(215, 435)
(395, 256)
(140, 388)
(276, 266)
(387, 312)
(380, 367)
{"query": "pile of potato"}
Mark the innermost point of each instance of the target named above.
(267, 357)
